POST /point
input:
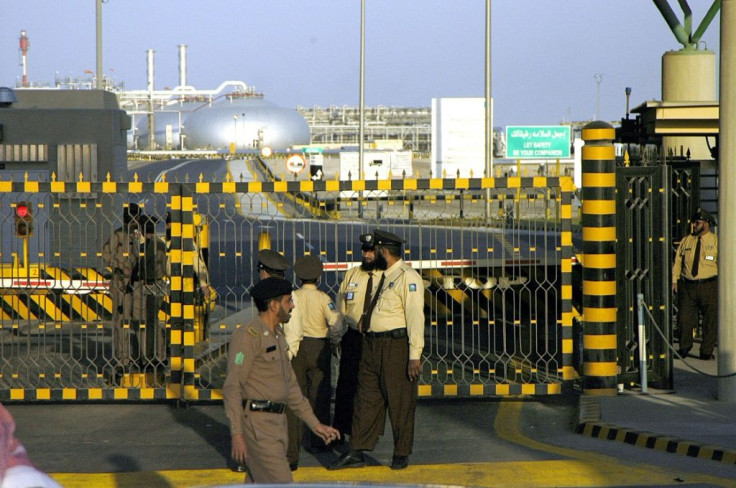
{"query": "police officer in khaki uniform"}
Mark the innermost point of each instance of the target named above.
(393, 340)
(149, 289)
(695, 280)
(309, 344)
(259, 386)
(120, 253)
(353, 300)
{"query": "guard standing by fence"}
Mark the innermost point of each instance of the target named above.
(695, 280)
(353, 300)
(120, 253)
(391, 358)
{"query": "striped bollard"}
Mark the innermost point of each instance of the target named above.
(599, 259)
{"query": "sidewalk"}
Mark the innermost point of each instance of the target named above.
(691, 421)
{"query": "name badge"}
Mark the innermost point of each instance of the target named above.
(270, 348)
(710, 258)
(352, 285)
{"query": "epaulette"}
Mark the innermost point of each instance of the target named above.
(252, 332)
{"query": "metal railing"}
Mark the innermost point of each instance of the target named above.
(497, 278)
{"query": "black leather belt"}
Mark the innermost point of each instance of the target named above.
(698, 282)
(393, 334)
(264, 406)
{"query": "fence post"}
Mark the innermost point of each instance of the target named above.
(599, 259)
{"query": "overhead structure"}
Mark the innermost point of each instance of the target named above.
(689, 74)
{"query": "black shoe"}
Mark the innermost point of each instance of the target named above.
(293, 466)
(400, 462)
(350, 459)
(683, 353)
(707, 357)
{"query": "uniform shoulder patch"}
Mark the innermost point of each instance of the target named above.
(412, 287)
(239, 358)
(252, 332)
(331, 306)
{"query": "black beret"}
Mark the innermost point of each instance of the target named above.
(308, 267)
(272, 260)
(367, 242)
(387, 238)
(703, 215)
(270, 288)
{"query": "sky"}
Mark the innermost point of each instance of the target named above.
(545, 53)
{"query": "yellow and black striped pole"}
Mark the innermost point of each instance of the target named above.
(599, 259)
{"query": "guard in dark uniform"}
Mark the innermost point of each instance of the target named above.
(353, 300)
(309, 342)
(695, 281)
(259, 386)
(393, 339)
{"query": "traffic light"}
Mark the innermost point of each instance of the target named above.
(24, 219)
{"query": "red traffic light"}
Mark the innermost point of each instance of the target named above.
(24, 219)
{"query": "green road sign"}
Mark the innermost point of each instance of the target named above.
(538, 141)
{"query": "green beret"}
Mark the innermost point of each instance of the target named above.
(272, 260)
(308, 267)
(387, 238)
(270, 288)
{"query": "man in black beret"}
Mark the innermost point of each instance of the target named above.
(258, 388)
(393, 339)
(695, 281)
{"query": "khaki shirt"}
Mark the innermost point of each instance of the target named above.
(318, 318)
(401, 304)
(258, 369)
(708, 266)
(351, 295)
(120, 252)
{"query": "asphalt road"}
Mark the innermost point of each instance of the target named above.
(487, 442)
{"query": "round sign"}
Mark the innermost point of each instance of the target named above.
(295, 163)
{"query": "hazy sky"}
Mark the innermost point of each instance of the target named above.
(306, 52)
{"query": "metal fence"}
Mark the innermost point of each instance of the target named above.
(495, 255)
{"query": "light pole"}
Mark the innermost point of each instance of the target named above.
(235, 130)
(598, 77)
(99, 45)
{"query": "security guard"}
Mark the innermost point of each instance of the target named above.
(695, 280)
(309, 342)
(120, 253)
(353, 300)
(393, 328)
(201, 273)
(260, 384)
(149, 289)
(271, 263)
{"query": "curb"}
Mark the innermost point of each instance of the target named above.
(589, 425)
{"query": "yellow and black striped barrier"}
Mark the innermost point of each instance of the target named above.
(599, 261)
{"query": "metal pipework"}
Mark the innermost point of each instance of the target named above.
(684, 34)
(182, 65)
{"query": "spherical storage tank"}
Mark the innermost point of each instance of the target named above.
(249, 123)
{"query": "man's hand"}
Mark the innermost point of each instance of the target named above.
(413, 369)
(674, 287)
(238, 451)
(327, 433)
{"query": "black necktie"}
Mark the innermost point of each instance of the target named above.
(369, 312)
(696, 260)
(368, 292)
